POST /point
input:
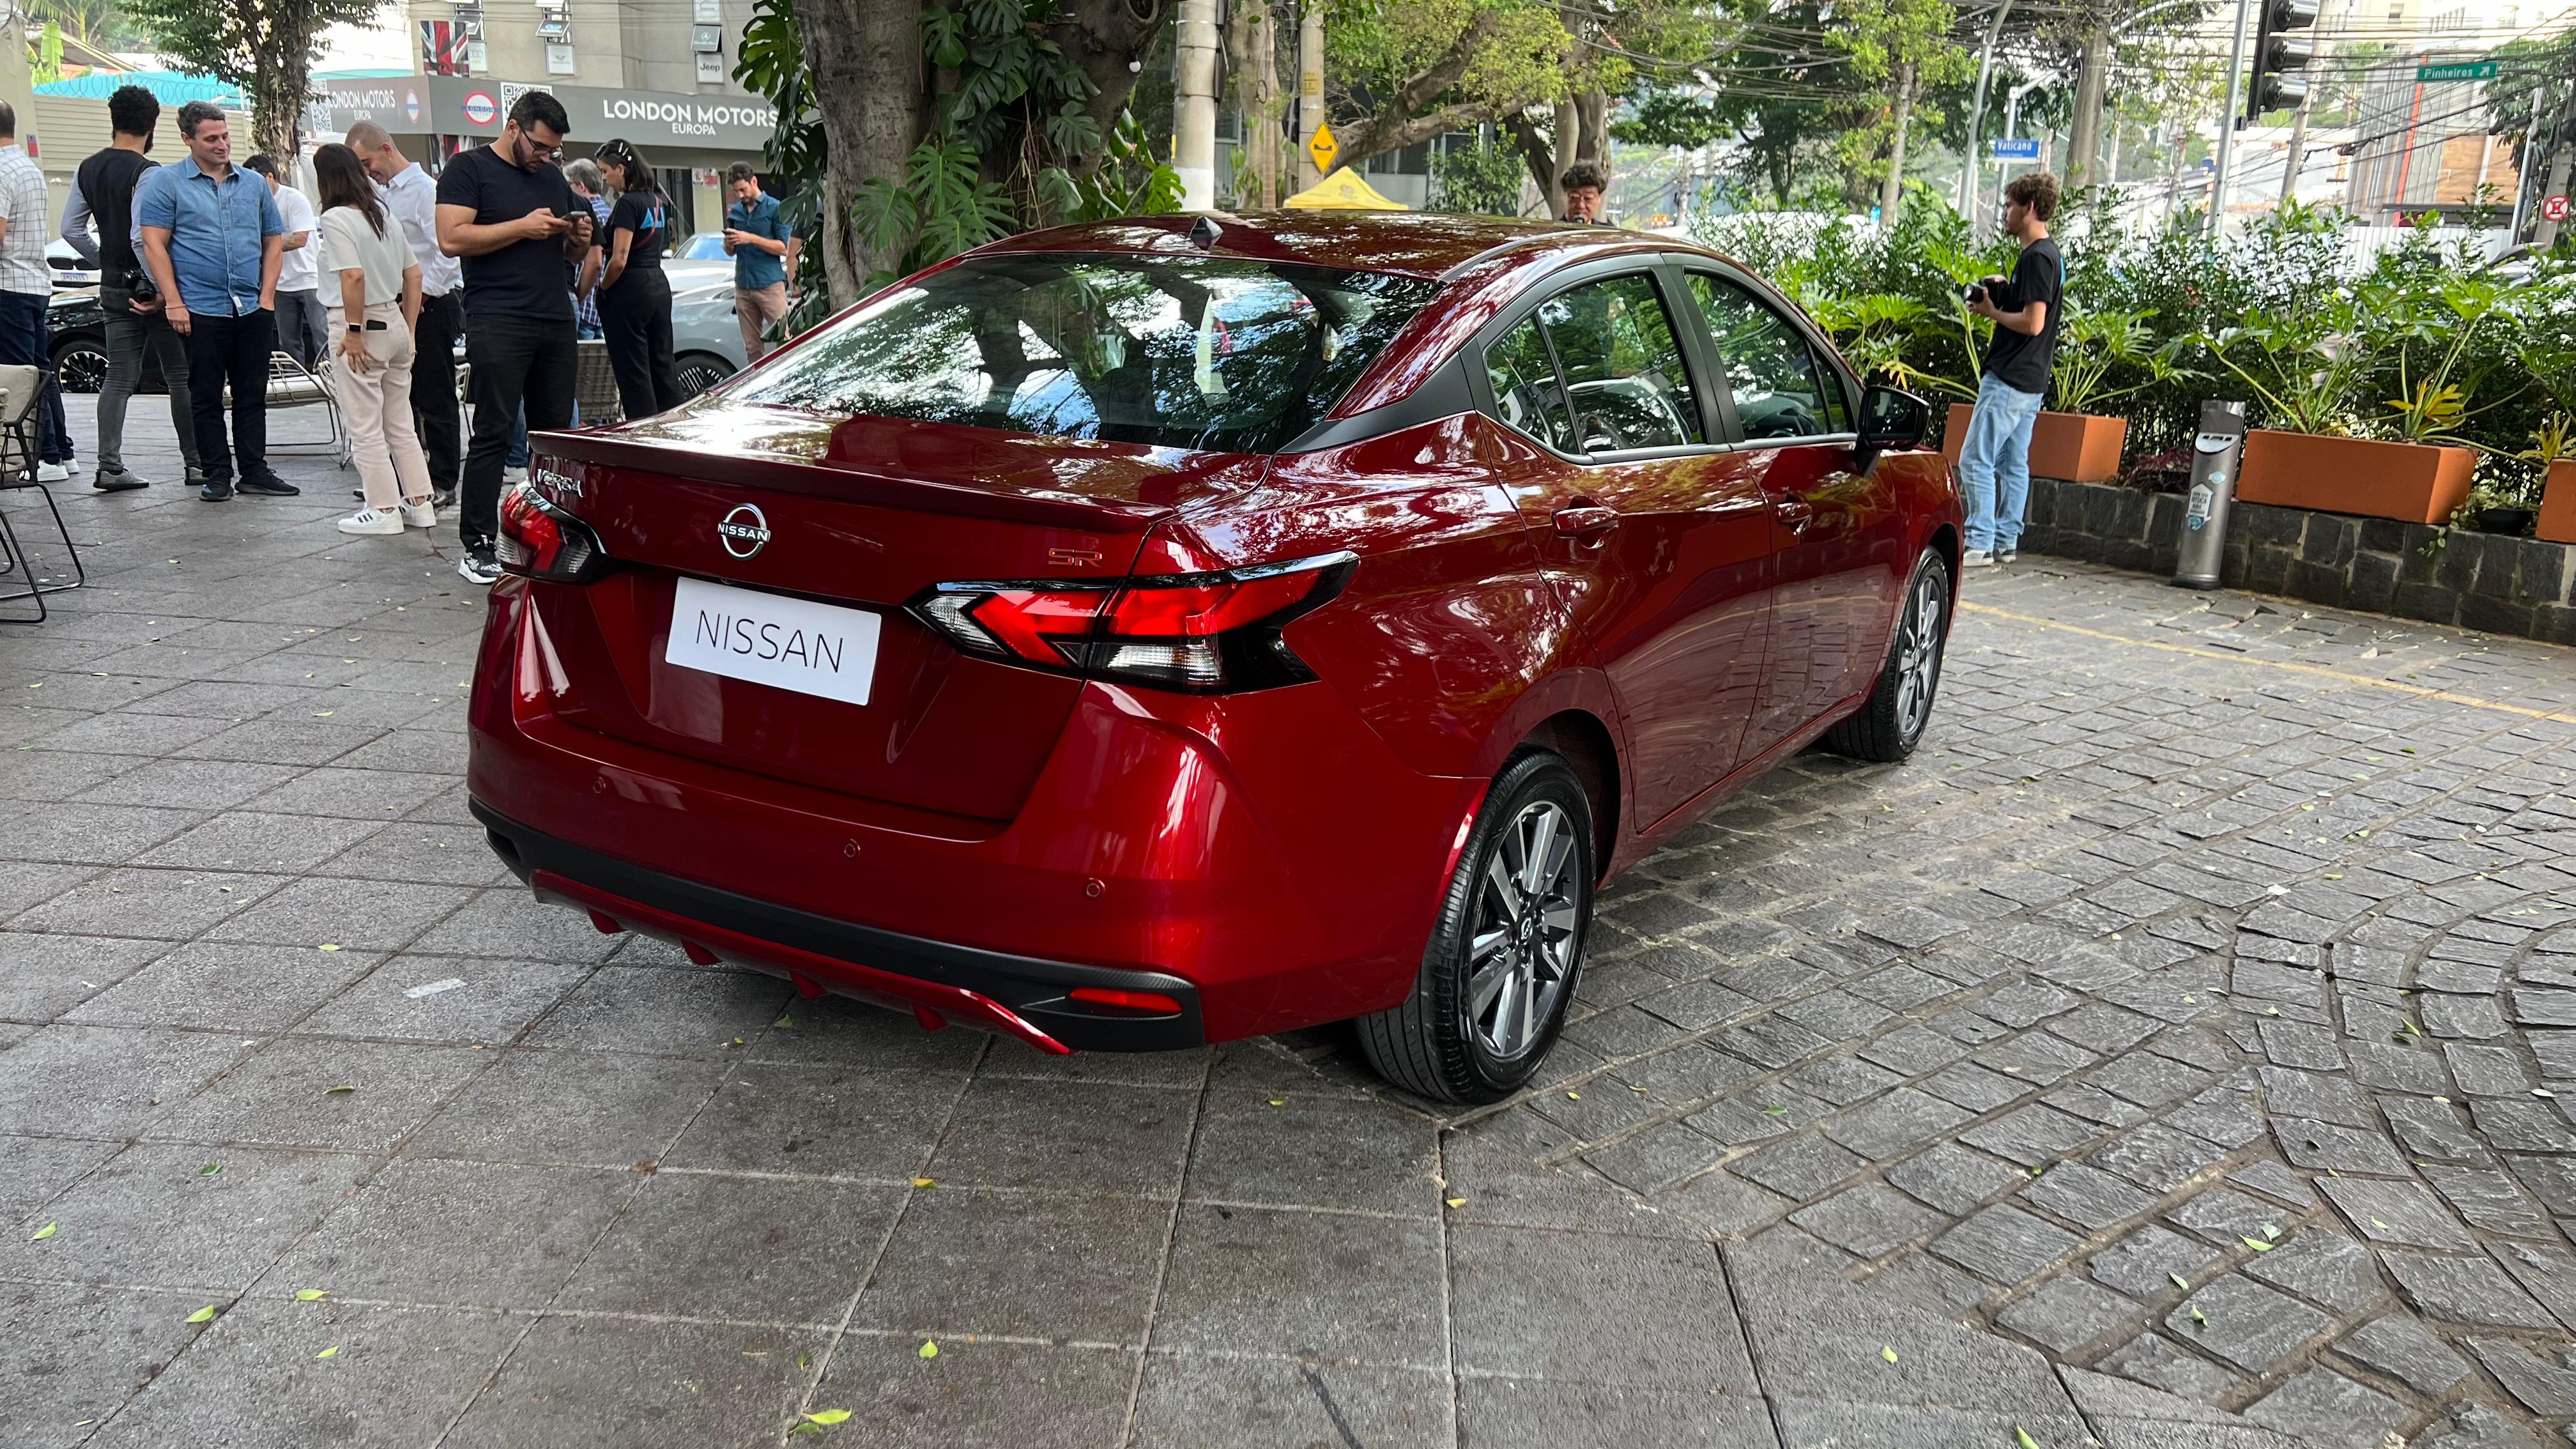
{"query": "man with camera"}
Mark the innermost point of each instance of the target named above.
(1994, 459)
(103, 196)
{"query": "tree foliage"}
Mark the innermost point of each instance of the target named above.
(266, 47)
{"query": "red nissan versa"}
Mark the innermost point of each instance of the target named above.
(1144, 634)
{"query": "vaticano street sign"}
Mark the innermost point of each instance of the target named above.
(2016, 148)
(2457, 70)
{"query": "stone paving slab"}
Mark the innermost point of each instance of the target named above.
(2169, 1055)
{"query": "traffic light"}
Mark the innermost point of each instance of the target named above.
(2277, 52)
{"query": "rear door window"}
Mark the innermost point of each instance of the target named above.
(1624, 375)
(1779, 390)
(1526, 390)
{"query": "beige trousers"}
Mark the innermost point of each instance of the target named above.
(755, 308)
(375, 405)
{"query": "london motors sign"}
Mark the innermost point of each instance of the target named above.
(730, 123)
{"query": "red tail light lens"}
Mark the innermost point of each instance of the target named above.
(1203, 633)
(541, 541)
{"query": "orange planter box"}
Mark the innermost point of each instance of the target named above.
(2558, 503)
(2411, 482)
(2073, 447)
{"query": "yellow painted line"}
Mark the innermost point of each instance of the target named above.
(2347, 676)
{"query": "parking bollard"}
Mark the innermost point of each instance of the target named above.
(2213, 487)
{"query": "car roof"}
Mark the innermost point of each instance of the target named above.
(1415, 243)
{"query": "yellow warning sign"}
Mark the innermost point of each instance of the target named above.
(1323, 148)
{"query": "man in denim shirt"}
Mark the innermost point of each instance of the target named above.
(214, 241)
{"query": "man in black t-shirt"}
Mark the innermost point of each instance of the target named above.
(103, 197)
(508, 212)
(1994, 459)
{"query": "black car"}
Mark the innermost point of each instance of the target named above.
(79, 346)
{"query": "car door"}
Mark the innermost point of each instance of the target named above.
(1654, 536)
(1837, 535)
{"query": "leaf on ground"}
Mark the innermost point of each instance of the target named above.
(2271, 1232)
(2257, 1244)
(44, 1232)
(1887, 1353)
(203, 1315)
(330, 1352)
(925, 1182)
(307, 1295)
(2022, 1439)
(1774, 1110)
(785, 1023)
(210, 1169)
(1457, 1202)
(2198, 1317)
(329, 947)
(335, 1091)
(1574, 1096)
(929, 1348)
(827, 1416)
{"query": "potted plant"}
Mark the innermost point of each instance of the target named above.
(2553, 447)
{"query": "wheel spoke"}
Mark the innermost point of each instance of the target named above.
(1505, 890)
(1539, 866)
(1487, 980)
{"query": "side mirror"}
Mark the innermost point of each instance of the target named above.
(1892, 420)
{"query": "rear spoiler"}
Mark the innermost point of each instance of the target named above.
(846, 482)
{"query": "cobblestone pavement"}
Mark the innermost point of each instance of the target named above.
(2163, 1058)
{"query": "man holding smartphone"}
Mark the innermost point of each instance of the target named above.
(1994, 459)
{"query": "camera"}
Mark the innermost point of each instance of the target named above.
(1973, 293)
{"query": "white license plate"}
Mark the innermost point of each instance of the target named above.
(818, 649)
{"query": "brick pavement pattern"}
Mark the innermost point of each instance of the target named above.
(2168, 1055)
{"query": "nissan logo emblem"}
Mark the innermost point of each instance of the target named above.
(744, 530)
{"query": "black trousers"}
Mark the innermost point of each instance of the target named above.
(518, 362)
(635, 318)
(232, 350)
(433, 388)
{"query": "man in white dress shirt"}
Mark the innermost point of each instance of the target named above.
(299, 299)
(411, 194)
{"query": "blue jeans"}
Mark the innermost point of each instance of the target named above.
(1994, 463)
(517, 457)
(25, 337)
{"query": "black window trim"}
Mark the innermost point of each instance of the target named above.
(1678, 311)
(1819, 347)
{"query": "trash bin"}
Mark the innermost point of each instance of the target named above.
(2214, 452)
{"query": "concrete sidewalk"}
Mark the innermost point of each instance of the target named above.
(2163, 1057)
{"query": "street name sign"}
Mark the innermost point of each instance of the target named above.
(2457, 70)
(2016, 148)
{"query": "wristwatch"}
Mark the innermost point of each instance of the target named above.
(357, 326)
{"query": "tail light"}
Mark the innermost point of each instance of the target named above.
(541, 541)
(1203, 633)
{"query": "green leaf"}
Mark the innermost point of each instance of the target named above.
(335, 1091)
(331, 1352)
(203, 1315)
(44, 1232)
(308, 1295)
(328, 947)
(2257, 1244)
(785, 1023)
(827, 1416)
(210, 1169)
(2178, 1282)
(2198, 1317)
(2022, 1439)
(1887, 1353)
(929, 1348)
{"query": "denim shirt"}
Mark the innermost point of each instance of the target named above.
(219, 232)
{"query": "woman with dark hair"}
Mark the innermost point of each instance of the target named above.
(371, 285)
(634, 296)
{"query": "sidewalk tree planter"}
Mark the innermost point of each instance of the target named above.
(2078, 447)
(2410, 482)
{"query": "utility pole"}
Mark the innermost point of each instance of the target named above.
(2227, 130)
(1310, 87)
(1977, 117)
(1194, 106)
(2298, 161)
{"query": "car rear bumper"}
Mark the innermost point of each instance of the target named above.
(1020, 996)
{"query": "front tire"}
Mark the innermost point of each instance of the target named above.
(1889, 727)
(1504, 954)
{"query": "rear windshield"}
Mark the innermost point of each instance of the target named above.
(1183, 352)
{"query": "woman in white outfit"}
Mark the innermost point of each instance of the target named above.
(371, 285)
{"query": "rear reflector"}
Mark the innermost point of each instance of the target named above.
(1202, 633)
(540, 540)
(1153, 1001)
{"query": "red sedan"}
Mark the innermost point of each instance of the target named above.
(1144, 634)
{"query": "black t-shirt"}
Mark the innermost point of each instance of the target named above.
(2020, 360)
(108, 179)
(647, 215)
(525, 278)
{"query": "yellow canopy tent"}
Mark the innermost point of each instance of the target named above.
(1343, 191)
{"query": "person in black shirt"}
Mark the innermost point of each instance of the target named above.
(103, 194)
(506, 210)
(634, 296)
(1994, 459)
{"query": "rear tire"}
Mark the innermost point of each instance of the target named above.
(1889, 727)
(1507, 948)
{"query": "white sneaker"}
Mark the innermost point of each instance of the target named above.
(368, 520)
(2007, 555)
(514, 475)
(1976, 558)
(53, 472)
(420, 515)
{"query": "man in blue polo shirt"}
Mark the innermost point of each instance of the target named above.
(214, 241)
(763, 255)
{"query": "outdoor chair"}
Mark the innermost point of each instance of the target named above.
(595, 384)
(292, 384)
(22, 575)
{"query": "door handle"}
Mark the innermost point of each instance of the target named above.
(1584, 520)
(1795, 513)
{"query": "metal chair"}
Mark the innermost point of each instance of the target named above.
(595, 384)
(22, 392)
(292, 384)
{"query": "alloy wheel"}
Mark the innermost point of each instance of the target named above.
(1522, 951)
(1918, 654)
(81, 368)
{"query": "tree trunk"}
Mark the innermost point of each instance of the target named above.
(1595, 109)
(281, 80)
(1194, 107)
(1891, 192)
(1539, 155)
(1568, 140)
(1105, 38)
(2092, 81)
(1252, 50)
(2296, 161)
(865, 62)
